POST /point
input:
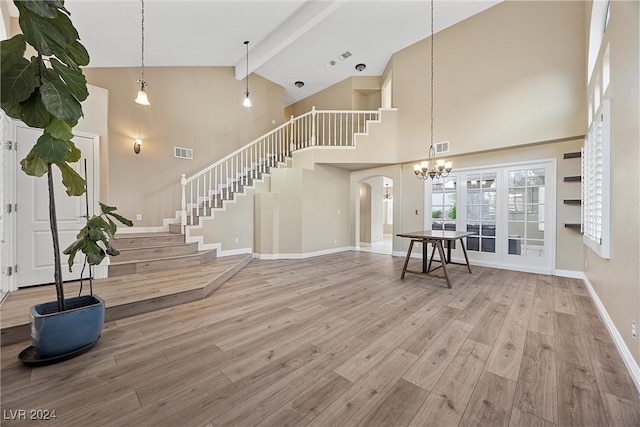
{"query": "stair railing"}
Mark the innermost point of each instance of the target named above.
(202, 191)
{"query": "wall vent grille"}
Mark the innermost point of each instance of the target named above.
(442, 147)
(183, 153)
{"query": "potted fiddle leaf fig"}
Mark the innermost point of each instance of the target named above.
(45, 92)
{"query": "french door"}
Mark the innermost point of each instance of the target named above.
(510, 209)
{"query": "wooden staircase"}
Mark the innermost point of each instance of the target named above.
(146, 252)
(237, 186)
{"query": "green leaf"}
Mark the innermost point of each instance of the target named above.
(59, 101)
(94, 253)
(105, 209)
(75, 184)
(71, 250)
(59, 130)
(33, 165)
(12, 110)
(63, 23)
(41, 33)
(11, 51)
(50, 149)
(122, 219)
(33, 112)
(44, 8)
(18, 82)
(112, 228)
(75, 80)
(97, 235)
(77, 53)
(74, 155)
(98, 222)
(111, 251)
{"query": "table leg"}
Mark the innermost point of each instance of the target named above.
(449, 251)
(424, 256)
(406, 261)
(444, 264)
(465, 255)
(433, 252)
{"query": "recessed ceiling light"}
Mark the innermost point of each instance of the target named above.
(299, 83)
(360, 67)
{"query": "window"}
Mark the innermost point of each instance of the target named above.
(596, 183)
(443, 204)
(481, 211)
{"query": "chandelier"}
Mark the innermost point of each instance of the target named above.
(387, 196)
(432, 168)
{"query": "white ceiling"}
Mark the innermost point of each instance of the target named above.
(290, 40)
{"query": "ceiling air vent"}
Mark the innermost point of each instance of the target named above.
(345, 55)
(183, 153)
(442, 147)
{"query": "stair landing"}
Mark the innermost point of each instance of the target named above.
(126, 295)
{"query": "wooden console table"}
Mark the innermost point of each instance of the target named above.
(435, 237)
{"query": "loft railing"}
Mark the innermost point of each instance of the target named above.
(208, 188)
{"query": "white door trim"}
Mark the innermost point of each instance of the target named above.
(99, 271)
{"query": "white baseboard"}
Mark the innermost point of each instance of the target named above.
(625, 353)
(303, 255)
(130, 230)
(232, 252)
(572, 274)
(403, 254)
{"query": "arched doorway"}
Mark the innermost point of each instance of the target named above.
(375, 219)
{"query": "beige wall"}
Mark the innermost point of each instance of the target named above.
(365, 214)
(94, 122)
(499, 80)
(195, 107)
(617, 280)
(306, 211)
(375, 207)
(353, 93)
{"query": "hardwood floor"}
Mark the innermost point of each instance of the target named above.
(340, 340)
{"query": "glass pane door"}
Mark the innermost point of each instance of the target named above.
(526, 206)
(529, 207)
(481, 198)
(443, 204)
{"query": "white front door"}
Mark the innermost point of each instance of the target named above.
(34, 244)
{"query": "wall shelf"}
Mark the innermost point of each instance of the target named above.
(574, 226)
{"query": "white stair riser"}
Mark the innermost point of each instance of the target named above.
(124, 242)
(156, 252)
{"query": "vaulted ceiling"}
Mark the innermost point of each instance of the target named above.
(290, 40)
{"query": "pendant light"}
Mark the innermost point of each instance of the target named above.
(142, 97)
(247, 100)
(432, 168)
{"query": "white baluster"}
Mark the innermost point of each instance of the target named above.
(313, 125)
(183, 215)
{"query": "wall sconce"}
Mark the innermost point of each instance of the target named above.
(136, 145)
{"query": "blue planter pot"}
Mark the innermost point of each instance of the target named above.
(56, 333)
